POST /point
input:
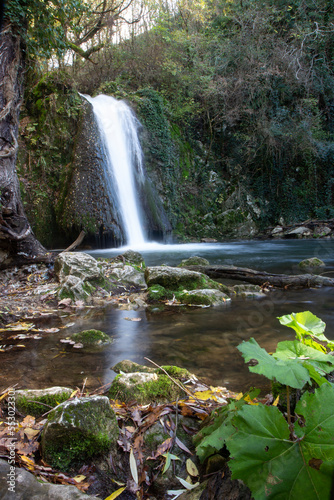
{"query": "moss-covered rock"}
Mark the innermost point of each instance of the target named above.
(127, 366)
(207, 297)
(178, 279)
(175, 372)
(134, 258)
(92, 338)
(312, 265)
(36, 402)
(194, 261)
(158, 292)
(144, 388)
(77, 430)
(129, 275)
(77, 264)
(78, 274)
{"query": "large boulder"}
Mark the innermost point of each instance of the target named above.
(175, 278)
(312, 265)
(204, 297)
(77, 273)
(144, 388)
(128, 275)
(194, 260)
(79, 429)
(77, 264)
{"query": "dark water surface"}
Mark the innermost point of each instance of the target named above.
(202, 340)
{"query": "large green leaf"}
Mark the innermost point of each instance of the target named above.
(296, 350)
(305, 323)
(212, 437)
(274, 467)
(286, 371)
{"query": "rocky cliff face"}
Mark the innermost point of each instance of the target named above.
(90, 202)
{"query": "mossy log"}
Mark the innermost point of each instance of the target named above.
(260, 277)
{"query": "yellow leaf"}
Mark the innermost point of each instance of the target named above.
(191, 468)
(239, 396)
(116, 494)
(275, 403)
(79, 478)
(31, 433)
(29, 463)
(250, 401)
(204, 395)
(5, 394)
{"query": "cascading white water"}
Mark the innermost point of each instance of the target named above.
(118, 126)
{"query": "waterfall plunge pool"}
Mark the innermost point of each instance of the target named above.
(202, 340)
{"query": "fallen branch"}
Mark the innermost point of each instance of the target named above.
(261, 277)
(75, 243)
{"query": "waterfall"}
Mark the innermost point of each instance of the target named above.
(118, 127)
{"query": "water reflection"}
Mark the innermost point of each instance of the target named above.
(202, 340)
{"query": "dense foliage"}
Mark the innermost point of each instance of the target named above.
(275, 456)
(239, 99)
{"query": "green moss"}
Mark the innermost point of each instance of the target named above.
(153, 439)
(176, 372)
(194, 261)
(69, 448)
(158, 292)
(32, 406)
(160, 390)
(91, 337)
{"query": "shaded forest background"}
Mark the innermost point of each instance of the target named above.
(237, 107)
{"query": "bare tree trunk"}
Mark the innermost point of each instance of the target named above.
(17, 241)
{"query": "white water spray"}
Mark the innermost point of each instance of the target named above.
(118, 127)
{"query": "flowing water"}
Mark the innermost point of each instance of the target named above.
(202, 340)
(118, 127)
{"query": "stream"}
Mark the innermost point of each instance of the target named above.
(203, 340)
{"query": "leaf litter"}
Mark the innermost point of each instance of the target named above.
(133, 420)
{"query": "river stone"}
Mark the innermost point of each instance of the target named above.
(312, 265)
(92, 338)
(77, 264)
(76, 272)
(322, 231)
(277, 231)
(74, 288)
(77, 430)
(298, 232)
(127, 366)
(207, 297)
(172, 277)
(27, 486)
(194, 261)
(144, 388)
(133, 257)
(27, 399)
(129, 275)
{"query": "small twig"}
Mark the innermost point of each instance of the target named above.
(39, 403)
(83, 387)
